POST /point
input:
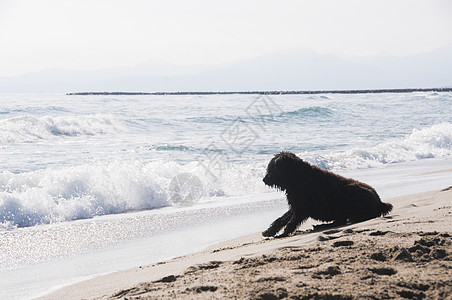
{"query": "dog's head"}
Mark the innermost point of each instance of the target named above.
(280, 170)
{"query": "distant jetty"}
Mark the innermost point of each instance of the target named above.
(448, 89)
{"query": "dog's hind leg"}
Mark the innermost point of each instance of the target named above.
(278, 224)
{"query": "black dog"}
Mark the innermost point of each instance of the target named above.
(319, 194)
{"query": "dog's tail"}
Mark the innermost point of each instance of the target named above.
(385, 208)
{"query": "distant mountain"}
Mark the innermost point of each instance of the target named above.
(289, 70)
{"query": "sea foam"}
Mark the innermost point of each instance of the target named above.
(30, 128)
(431, 142)
(76, 192)
(108, 187)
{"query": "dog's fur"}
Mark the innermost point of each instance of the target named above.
(319, 194)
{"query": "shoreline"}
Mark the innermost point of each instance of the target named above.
(310, 258)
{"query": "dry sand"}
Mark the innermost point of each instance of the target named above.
(407, 254)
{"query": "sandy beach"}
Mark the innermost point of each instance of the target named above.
(407, 254)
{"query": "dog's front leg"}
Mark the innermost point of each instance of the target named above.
(278, 224)
(293, 224)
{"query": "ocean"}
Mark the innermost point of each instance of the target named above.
(92, 184)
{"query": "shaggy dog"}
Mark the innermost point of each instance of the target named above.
(319, 194)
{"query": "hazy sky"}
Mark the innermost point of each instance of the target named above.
(79, 34)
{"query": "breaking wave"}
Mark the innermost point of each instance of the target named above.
(111, 187)
(431, 142)
(28, 128)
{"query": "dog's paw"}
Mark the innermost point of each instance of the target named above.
(268, 233)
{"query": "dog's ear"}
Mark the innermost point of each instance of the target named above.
(281, 158)
(286, 156)
(278, 158)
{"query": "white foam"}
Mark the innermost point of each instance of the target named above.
(108, 187)
(431, 142)
(77, 192)
(30, 128)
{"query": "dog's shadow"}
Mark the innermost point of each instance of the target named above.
(325, 227)
(329, 229)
